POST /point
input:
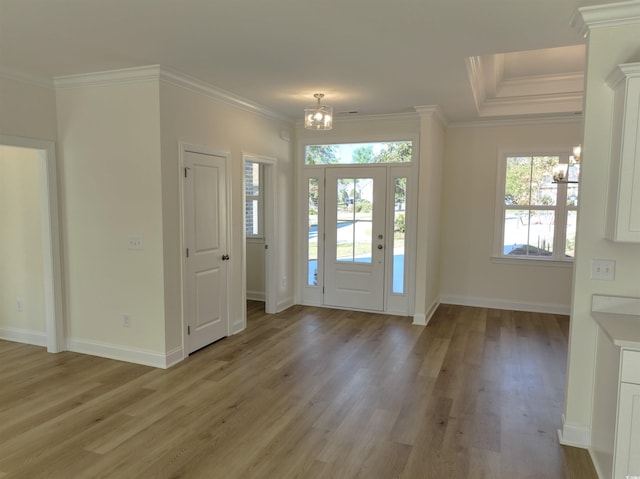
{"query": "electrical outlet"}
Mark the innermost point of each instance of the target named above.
(136, 243)
(20, 305)
(126, 320)
(284, 281)
(603, 269)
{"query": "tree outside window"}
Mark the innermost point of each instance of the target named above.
(538, 215)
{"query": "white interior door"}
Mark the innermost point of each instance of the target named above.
(205, 238)
(355, 237)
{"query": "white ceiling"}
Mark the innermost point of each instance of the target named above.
(370, 56)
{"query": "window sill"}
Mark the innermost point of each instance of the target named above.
(554, 263)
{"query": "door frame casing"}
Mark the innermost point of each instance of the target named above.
(313, 296)
(51, 252)
(270, 219)
(185, 147)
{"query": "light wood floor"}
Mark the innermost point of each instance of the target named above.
(308, 393)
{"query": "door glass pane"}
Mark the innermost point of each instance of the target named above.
(312, 245)
(399, 201)
(528, 232)
(354, 237)
(570, 245)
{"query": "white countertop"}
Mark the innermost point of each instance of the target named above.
(619, 318)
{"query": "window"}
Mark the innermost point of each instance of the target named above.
(537, 216)
(359, 153)
(253, 200)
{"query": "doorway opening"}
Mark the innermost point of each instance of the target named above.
(260, 265)
(43, 154)
(357, 234)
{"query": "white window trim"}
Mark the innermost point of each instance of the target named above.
(498, 255)
(260, 198)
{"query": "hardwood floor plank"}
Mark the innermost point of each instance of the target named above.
(306, 393)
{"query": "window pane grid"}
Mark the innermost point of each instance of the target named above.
(536, 210)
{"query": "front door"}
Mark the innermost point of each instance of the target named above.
(205, 239)
(355, 237)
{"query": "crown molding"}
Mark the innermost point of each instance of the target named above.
(181, 80)
(621, 72)
(521, 121)
(432, 111)
(600, 16)
(165, 75)
(23, 77)
(109, 77)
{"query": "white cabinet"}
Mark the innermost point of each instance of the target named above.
(623, 206)
(627, 454)
(627, 457)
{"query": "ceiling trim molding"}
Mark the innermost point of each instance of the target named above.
(109, 77)
(181, 80)
(432, 111)
(22, 77)
(600, 16)
(476, 79)
(533, 105)
(535, 121)
(166, 75)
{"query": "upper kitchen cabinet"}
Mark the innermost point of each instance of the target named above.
(623, 208)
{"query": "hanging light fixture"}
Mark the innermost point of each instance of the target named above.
(318, 117)
(563, 172)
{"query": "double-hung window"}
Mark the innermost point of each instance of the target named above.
(537, 214)
(254, 200)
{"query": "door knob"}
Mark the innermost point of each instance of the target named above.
(225, 257)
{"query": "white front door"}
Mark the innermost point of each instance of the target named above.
(355, 237)
(205, 240)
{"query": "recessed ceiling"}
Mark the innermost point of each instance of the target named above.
(373, 57)
(536, 82)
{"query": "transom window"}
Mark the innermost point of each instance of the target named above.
(359, 153)
(537, 214)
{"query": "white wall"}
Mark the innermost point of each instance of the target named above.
(109, 142)
(201, 120)
(255, 269)
(21, 275)
(607, 48)
(27, 109)
(432, 135)
(468, 274)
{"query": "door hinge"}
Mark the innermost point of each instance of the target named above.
(185, 171)
(188, 329)
(266, 246)
(187, 252)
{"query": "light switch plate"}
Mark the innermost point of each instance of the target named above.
(603, 269)
(136, 243)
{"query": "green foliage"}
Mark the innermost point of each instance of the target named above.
(394, 152)
(321, 155)
(363, 206)
(364, 154)
(529, 180)
(398, 224)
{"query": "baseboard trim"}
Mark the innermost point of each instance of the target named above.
(256, 296)
(494, 303)
(285, 303)
(576, 435)
(26, 336)
(121, 353)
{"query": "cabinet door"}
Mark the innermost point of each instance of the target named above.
(627, 459)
